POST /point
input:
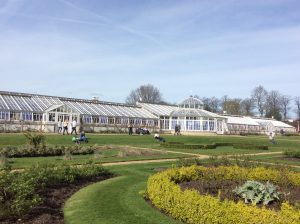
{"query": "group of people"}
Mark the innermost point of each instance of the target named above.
(63, 126)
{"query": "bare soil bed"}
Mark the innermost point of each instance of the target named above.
(292, 159)
(50, 210)
(225, 188)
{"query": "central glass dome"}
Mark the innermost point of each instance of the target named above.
(191, 103)
(191, 107)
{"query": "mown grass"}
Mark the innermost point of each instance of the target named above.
(116, 200)
(109, 156)
(149, 142)
(146, 141)
(277, 159)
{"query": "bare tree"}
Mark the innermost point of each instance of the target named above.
(211, 104)
(214, 104)
(231, 106)
(223, 104)
(285, 102)
(297, 103)
(247, 107)
(259, 96)
(273, 105)
(145, 93)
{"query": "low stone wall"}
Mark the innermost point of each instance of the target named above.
(17, 126)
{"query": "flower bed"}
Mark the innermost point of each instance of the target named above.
(19, 191)
(191, 207)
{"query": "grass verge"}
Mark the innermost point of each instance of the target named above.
(116, 200)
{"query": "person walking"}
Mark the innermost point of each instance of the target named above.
(272, 137)
(66, 122)
(130, 129)
(74, 124)
(176, 129)
(59, 125)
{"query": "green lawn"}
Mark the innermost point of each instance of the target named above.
(147, 141)
(223, 150)
(278, 159)
(116, 200)
(109, 156)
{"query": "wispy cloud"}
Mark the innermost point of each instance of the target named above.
(115, 24)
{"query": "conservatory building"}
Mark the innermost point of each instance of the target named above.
(23, 112)
(189, 115)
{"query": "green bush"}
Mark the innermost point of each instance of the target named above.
(18, 191)
(35, 138)
(29, 151)
(292, 154)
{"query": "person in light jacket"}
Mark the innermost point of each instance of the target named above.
(66, 122)
(74, 124)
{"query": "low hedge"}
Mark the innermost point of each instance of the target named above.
(29, 151)
(212, 146)
(250, 146)
(292, 154)
(188, 146)
(191, 207)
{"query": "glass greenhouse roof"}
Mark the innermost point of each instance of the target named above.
(158, 109)
(191, 102)
(11, 101)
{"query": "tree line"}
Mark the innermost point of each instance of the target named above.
(263, 103)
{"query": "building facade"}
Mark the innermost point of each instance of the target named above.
(24, 112)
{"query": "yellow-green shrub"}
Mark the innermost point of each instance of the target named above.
(191, 207)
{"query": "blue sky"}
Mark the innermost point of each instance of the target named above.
(85, 48)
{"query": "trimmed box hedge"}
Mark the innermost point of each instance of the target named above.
(191, 207)
(29, 151)
(180, 145)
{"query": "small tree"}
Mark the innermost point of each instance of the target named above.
(247, 106)
(259, 97)
(35, 139)
(273, 107)
(145, 93)
(285, 102)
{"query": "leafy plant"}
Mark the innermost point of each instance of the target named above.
(3, 160)
(256, 192)
(35, 138)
